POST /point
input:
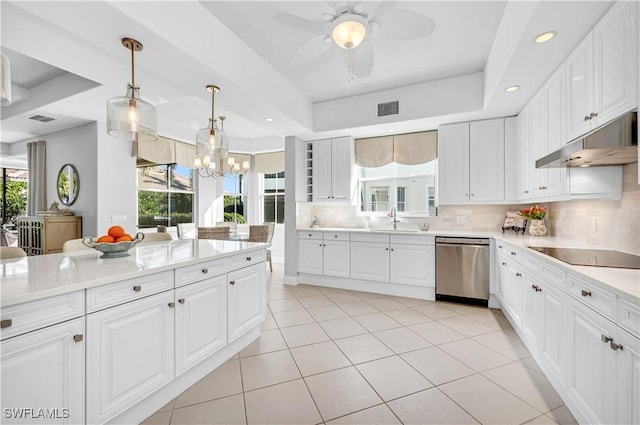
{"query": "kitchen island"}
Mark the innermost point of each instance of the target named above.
(91, 340)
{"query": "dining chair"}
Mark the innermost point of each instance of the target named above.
(7, 252)
(156, 237)
(186, 231)
(263, 233)
(220, 233)
(75, 245)
(232, 225)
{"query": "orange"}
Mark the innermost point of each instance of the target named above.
(116, 231)
(124, 238)
(106, 238)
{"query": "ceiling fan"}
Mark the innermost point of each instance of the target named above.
(350, 29)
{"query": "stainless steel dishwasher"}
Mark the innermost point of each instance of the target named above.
(462, 270)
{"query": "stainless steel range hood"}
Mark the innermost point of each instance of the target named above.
(615, 143)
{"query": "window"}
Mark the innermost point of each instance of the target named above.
(273, 197)
(235, 198)
(165, 195)
(410, 188)
(13, 194)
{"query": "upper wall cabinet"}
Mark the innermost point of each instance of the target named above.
(333, 176)
(471, 162)
(602, 72)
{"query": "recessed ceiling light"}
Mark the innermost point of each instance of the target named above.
(269, 119)
(585, 165)
(391, 130)
(512, 89)
(544, 37)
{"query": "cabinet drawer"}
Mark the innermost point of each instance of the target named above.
(247, 259)
(598, 299)
(552, 273)
(310, 235)
(365, 237)
(629, 316)
(22, 318)
(413, 240)
(336, 236)
(201, 271)
(128, 290)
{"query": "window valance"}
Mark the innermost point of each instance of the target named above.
(164, 151)
(268, 163)
(408, 149)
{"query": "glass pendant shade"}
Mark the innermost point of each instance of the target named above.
(5, 89)
(131, 118)
(349, 31)
(211, 145)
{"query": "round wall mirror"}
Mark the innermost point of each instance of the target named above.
(68, 184)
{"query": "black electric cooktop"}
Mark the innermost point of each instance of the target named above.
(592, 257)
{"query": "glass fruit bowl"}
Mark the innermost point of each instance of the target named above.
(115, 249)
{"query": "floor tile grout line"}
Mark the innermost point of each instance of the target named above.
(244, 399)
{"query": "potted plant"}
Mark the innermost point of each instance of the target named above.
(535, 215)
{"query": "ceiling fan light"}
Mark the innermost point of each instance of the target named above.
(349, 31)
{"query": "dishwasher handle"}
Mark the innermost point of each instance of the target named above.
(461, 241)
(461, 245)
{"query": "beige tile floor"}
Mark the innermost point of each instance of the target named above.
(332, 356)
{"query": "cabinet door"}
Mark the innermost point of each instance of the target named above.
(531, 309)
(591, 364)
(524, 167)
(412, 265)
(130, 354)
(341, 166)
(370, 261)
(322, 170)
(511, 284)
(628, 371)
(554, 182)
(45, 369)
(511, 159)
(453, 163)
(201, 321)
(615, 64)
(486, 156)
(310, 256)
(579, 79)
(336, 258)
(552, 339)
(247, 299)
(537, 144)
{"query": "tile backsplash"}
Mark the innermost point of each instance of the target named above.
(616, 222)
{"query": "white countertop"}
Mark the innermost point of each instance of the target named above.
(42, 276)
(622, 282)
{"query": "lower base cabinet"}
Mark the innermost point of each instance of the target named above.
(628, 377)
(130, 354)
(412, 264)
(247, 299)
(44, 371)
(335, 260)
(370, 261)
(201, 321)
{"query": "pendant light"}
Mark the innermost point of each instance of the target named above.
(129, 117)
(212, 147)
(5, 90)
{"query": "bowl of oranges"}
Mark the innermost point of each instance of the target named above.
(116, 243)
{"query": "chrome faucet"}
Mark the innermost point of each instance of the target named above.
(394, 214)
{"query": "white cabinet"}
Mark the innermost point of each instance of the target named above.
(602, 73)
(471, 162)
(412, 264)
(246, 299)
(551, 343)
(335, 258)
(130, 354)
(201, 321)
(523, 174)
(370, 261)
(310, 256)
(628, 390)
(511, 288)
(333, 170)
(45, 370)
(591, 363)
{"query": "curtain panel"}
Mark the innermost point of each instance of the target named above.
(37, 188)
(407, 149)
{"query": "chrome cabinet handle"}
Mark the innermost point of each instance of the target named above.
(586, 118)
(181, 300)
(535, 287)
(585, 293)
(78, 338)
(518, 274)
(500, 246)
(504, 264)
(248, 258)
(171, 305)
(205, 271)
(6, 323)
(137, 288)
(391, 249)
(615, 346)
(605, 338)
(593, 115)
(386, 249)
(466, 194)
(513, 253)
(233, 282)
(309, 234)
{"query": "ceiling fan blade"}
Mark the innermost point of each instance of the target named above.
(360, 59)
(403, 25)
(310, 10)
(310, 50)
(382, 7)
(301, 24)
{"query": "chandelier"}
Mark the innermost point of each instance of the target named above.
(212, 148)
(129, 117)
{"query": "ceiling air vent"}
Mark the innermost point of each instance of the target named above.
(40, 118)
(388, 108)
